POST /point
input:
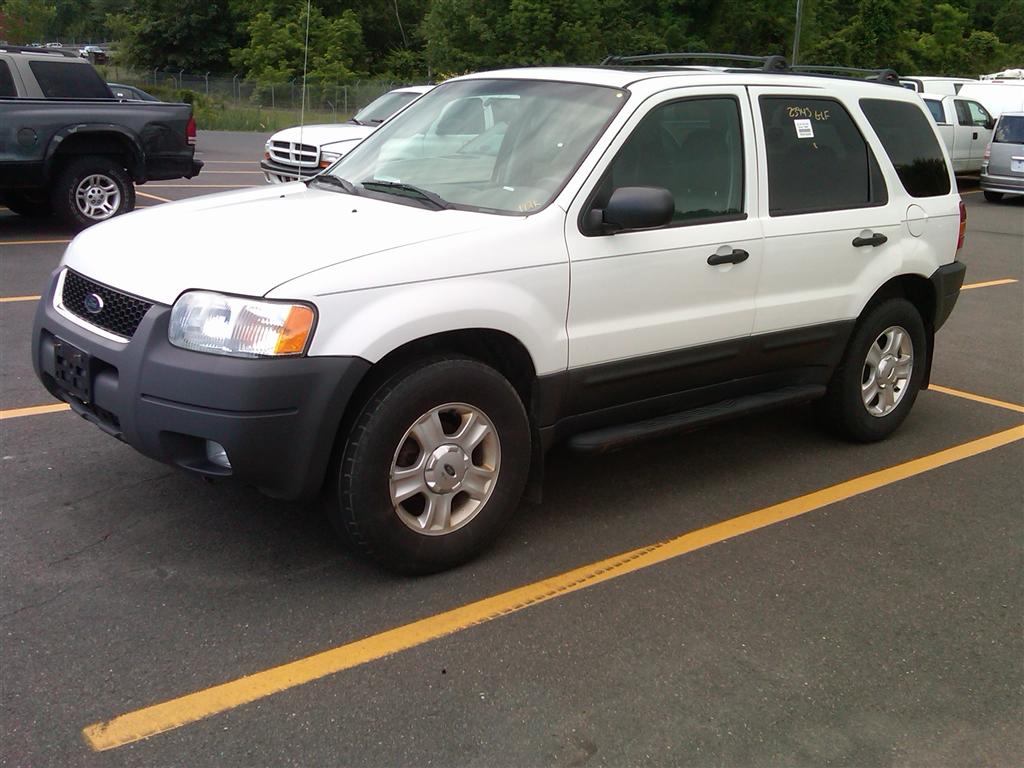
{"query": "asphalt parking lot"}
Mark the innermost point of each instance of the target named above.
(752, 594)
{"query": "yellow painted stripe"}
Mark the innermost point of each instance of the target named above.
(32, 242)
(146, 722)
(151, 197)
(9, 299)
(34, 410)
(200, 186)
(988, 284)
(976, 398)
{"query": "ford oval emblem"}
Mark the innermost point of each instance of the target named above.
(93, 303)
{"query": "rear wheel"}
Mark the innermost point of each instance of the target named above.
(434, 466)
(877, 381)
(92, 189)
(993, 197)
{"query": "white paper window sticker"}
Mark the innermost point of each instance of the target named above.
(804, 129)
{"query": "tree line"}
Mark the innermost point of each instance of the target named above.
(265, 40)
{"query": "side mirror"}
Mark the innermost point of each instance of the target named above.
(990, 123)
(632, 208)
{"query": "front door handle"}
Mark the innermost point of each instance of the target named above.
(874, 241)
(735, 257)
(975, 136)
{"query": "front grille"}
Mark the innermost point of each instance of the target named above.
(120, 313)
(293, 153)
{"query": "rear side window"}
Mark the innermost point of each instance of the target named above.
(64, 80)
(910, 142)
(817, 158)
(938, 113)
(1010, 130)
(6, 81)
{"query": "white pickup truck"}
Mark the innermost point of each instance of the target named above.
(966, 128)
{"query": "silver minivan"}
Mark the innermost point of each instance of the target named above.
(1002, 169)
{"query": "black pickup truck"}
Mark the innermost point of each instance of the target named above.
(67, 146)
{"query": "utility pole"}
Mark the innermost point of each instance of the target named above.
(796, 34)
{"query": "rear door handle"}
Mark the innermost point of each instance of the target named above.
(874, 241)
(735, 257)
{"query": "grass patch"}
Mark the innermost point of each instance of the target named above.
(223, 117)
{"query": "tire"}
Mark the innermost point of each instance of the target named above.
(868, 398)
(993, 197)
(92, 189)
(399, 521)
(29, 207)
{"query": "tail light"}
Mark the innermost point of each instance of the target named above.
(190, 130)
(963, 225)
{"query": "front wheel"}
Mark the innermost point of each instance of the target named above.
(434, 466)
(92, 189)
(993, 197)
(877, 381)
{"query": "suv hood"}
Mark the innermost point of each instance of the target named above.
(252, 241)
(318, 135)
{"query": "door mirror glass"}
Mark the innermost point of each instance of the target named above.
(632, 208)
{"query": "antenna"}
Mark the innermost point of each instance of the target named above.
(305, 63)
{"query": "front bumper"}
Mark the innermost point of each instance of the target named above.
(277, 173)
(276, 418)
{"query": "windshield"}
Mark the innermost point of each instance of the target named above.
(380, 109)
(1010, 130)
(506, 146)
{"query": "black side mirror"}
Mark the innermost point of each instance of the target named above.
(990, 123)
(632, 208)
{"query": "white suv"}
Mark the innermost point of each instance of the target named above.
(304, 150)
(593, 256)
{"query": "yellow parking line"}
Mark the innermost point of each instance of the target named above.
(988, 284)
(9, 299)
(146, 722)
(152, 197)
(34, 410)
(977, 398)
(32, 242)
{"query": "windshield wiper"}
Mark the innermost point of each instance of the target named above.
(353, 120)
(335, 181)
(398, 188)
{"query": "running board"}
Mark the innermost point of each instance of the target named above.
(609, 438)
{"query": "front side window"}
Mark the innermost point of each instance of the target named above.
(979, 117)
(1010, 130)
(694, 149)
(503, 146)
(817, 158)
(910, 143)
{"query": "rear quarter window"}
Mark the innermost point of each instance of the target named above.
(909, 141)
(6, 81)
(69, 80)
(938, 113)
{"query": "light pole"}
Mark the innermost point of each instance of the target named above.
(796, 33)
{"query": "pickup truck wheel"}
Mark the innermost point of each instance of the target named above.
(434, 466)
(92, 189)
(993, 197)
(29, 207)
(877, 381)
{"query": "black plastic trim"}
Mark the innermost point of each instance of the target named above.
(946, 282)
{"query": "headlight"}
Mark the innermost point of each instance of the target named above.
(327, 159)
(240, 327)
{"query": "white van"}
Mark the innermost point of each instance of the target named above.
(997, 96)
(942, 86)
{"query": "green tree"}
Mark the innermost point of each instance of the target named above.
(194, 35)
(27, 21)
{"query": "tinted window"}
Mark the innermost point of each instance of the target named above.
(910, 142)
(1010, 130)
(817, 158)
(6, 81)
(692, 148)
(963, 114)
(64, 80)
(938, 113)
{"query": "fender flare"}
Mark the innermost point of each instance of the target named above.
(137, 163)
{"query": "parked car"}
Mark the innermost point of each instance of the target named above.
(943, 86)
(87, 151)
(54, 45)
(303, 151)
(130, 93)
(94, 53)
(966, 128)
(1002, 171)
(643, 252)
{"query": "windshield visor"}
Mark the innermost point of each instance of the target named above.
(506, 146)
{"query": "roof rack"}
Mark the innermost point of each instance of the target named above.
(768, 63)
(888, 76)
(30, 49)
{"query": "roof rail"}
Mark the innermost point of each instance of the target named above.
(768, 63)
(888, 76)
(30, 49)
